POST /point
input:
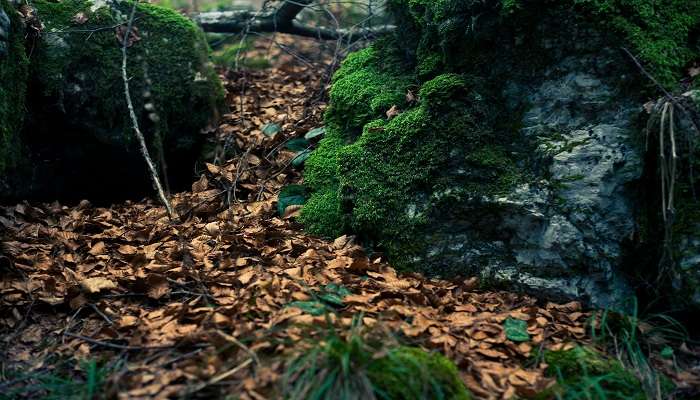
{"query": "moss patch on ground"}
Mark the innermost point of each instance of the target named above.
(412, 373)
(582, 372)
(13, 87)
(356, 366)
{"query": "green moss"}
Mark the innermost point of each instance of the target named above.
(443, 88)
(359, 364)
(322, 214)
(659, 34)
(168, 67)
(361, 91)
(412, 373)
(387, 182)
(583, 371)
(13, 87)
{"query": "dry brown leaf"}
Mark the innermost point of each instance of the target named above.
(95, 285)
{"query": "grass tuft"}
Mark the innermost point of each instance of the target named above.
(358, 366)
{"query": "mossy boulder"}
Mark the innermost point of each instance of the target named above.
(517, 149)
(79, 129)
(13, 84)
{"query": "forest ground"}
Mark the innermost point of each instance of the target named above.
(122, 301)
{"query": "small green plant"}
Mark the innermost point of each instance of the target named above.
(233, 52)
(358, 366)
(62, 382)
(632, 338)
(585, 373)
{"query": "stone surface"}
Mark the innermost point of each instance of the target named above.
(562, 234)
(576, 224)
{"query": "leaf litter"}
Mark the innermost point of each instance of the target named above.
(216, 301)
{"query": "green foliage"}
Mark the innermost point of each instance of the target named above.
(235, 55)
(314, 133)
(356, 367)
(516, 330)
(168, 66)
(13, 87)
(584, 373)
(291, 195)
(87, 382)
(632, 337)
(324, 301)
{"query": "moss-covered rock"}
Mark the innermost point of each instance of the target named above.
(516, 143)
(411, 373)
(13, 84)
(78, 117)
(582, 371)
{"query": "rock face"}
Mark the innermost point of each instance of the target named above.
(516, 154)
(568, 234)
(78, 129)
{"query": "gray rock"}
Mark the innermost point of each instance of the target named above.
(560, 236)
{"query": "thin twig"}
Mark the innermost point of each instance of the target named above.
(101, 314)
(113, 345)
(221, 377)
(134, 119)
(238, 343)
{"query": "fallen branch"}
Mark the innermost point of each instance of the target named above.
(281, 20)
(134, 119)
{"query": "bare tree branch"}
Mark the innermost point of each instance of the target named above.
(289, 10)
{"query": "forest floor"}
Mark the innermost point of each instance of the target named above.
(218, 301)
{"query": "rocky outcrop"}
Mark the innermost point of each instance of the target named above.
(517, 150)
